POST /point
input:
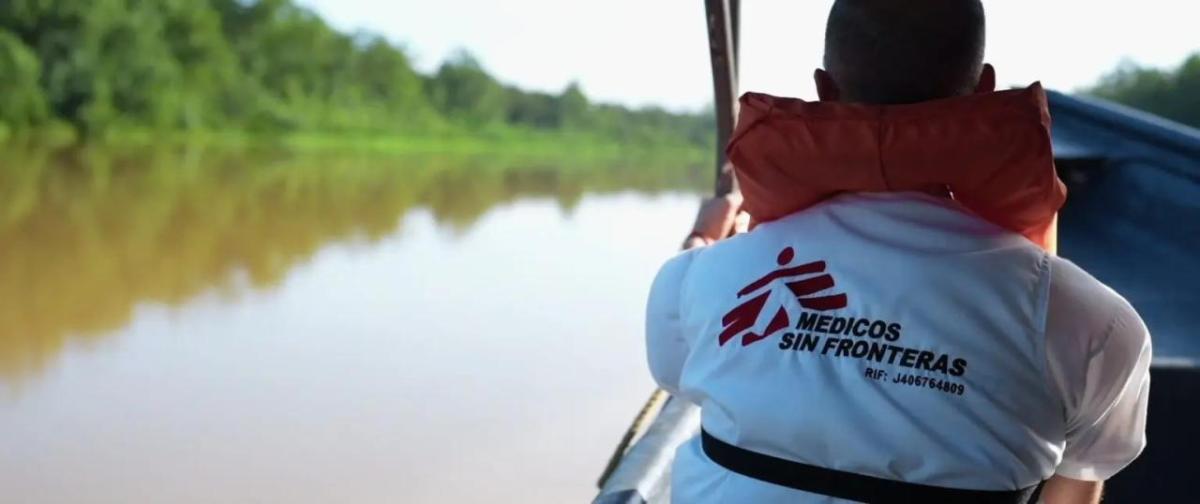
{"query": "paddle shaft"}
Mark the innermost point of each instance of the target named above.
(723, 18)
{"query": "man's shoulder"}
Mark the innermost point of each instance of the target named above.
(1086, 315)
(1073, 289)
(674, 271)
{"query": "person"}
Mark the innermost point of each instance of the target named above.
(896, 326)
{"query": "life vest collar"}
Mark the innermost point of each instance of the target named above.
(992, 151)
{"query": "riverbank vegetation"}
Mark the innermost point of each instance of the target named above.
(240, 73)
(246, 72)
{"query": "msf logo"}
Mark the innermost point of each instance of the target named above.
(803, 282)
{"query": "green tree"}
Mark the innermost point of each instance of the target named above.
(532, 109)
(22, 103)
(383, 75)
(102, 60)
(140, 74)
(294, 61)
(573, 107)
(54, 30)
(463, 91)
(208, 94)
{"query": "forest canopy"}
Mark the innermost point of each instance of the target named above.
(269, 66)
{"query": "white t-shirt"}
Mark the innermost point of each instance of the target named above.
(897, 336)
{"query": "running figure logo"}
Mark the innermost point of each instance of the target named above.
(800, 282)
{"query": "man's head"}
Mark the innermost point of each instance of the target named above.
(888, 52)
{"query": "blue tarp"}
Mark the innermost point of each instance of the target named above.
(1133, 214)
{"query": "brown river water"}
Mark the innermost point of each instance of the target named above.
(191, 327)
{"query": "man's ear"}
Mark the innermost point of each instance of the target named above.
(827, 89)
(987, 79)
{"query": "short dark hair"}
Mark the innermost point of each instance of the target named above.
(904, 51)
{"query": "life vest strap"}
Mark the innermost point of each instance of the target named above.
(848, 485)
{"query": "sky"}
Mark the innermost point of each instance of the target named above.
(655, 52)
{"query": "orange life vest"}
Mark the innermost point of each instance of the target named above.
(992, 151)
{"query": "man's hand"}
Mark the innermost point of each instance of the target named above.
(719, 217)
(1060, 490)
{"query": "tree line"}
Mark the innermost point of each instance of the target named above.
(1171, 93)
(268, 66)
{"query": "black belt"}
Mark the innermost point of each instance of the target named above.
(847, 485)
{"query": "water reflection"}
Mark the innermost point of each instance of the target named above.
(87, 235)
